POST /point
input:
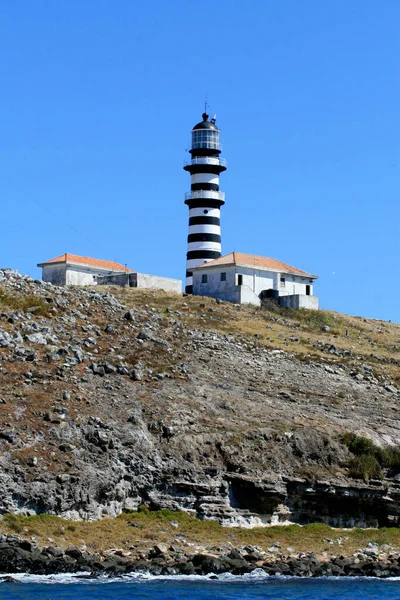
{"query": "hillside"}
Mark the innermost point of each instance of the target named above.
(113, 398)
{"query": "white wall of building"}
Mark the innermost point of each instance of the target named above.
(76, 275)
(215, 288)
(260, 280)
(247, 296)
(158, 283)
(253, 283)
(300, 301)
(63, 274)
(256, 281)
(295, 285)
(82, 275)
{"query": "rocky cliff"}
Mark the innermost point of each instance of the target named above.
(114, 398)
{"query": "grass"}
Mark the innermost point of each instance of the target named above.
(365, 467)
(300, 332)
(373, 342)
(38, 305)
(140, 530)
(312, 320)
(271, 327)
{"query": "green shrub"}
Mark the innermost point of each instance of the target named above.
(391, 457)
(359, 445)
(365, 466)
(388, 457)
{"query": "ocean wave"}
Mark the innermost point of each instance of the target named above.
(85, 578)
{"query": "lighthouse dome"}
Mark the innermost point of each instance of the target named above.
(206, 124)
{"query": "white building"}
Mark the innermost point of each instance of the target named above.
(71, 269)
(247, 279)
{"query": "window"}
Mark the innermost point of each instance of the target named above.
(223, 276)
(308, 290)
(283, 282)
(204, 279)
(240, 279)
(204, 138)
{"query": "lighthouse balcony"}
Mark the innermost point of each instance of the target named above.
(206, 160)
(204, 195)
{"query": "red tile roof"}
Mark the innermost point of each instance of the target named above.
(251, 260)
(86, 261)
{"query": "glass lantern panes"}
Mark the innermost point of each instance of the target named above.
(205, 138)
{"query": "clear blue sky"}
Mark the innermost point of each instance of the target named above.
(97, 102)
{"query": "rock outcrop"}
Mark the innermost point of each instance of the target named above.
(105, 406)
(21, 556)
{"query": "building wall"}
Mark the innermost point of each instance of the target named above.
(68, 275)
(299, 301)
(258, 280)
(253, 283)
(215, 288)
(121, 279)
(82, 276)
(158, 283)
(295, 285)
(247, 296)
(54, 274)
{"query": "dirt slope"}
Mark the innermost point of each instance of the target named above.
(113, 398)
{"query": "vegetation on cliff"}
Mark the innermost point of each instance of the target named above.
(137, 532)
(112, 398)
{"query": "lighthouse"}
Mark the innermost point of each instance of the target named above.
(204, 199)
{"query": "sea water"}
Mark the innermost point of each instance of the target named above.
(142, 587)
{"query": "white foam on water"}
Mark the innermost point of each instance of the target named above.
(29, 578)
(85, 578)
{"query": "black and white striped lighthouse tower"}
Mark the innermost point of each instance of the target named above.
(204, 200)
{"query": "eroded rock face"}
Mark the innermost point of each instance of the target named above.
(104, 408)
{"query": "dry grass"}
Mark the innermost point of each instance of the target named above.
(28, 302)
(376, 343)
(141, 530)
(270, 327)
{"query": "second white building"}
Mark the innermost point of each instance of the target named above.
(247, 279)
(71, 269)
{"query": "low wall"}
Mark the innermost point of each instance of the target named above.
(141, 280)
(158, 283)
(247, 296)
(228, 295)
(122, 279)
(299, 301)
